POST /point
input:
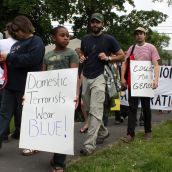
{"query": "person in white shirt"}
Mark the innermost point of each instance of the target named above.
(5, 46)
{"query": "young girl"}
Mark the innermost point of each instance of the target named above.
(60, 58)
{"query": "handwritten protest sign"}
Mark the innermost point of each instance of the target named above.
(141, 78)
(163, 94)
(48, 112)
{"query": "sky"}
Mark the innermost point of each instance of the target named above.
(165, 27)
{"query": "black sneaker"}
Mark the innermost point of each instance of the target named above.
(102, 139)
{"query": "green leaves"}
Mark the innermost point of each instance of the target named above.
(36, 10)
(79, 12)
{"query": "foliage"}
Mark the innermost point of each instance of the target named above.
(123, 27)
(120, 26)
(36, 10)
(80, 12)
(160, 41)
(41, 12)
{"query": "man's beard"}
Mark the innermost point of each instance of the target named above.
(96, 30)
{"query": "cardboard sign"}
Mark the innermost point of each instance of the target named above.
(48, 112)
(141, 78)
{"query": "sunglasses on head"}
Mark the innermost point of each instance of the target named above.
(15, 29)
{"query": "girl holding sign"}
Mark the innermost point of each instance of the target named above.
(60, 58)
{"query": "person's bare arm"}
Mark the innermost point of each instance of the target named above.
(75, 65)
(123, 71)
(118, 56)
(156, 74)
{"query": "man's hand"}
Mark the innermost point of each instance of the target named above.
(82, 59)
(155, 84)
(102, 56)
(76, 101)
(123, 82)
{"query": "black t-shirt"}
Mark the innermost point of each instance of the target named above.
(92, 46)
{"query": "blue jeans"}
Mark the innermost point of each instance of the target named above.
(11, 103)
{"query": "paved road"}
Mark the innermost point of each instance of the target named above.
(11, 159)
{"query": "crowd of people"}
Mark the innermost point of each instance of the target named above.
(23, 52)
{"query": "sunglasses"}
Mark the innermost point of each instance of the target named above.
(15, 29)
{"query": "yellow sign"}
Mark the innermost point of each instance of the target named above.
(117, 105)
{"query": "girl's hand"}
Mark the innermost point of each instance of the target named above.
(76, 102)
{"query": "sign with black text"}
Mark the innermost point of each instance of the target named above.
(48, 111)
(141, 78)
(162, 99)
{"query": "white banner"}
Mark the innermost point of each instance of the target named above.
(141, 78)
(48, 111)
(162, 99)
(163, 94)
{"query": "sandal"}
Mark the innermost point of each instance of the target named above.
(58, 169)
(28, 152)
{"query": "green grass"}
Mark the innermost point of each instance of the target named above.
(138, 156)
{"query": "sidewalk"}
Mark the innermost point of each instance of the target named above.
(11, 159)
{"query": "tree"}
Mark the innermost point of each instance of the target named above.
(169, 2)
(79, 12)
(123, 26)
(160, 41)
(36, 10)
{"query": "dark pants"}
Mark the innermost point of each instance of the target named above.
(132, 116)
(59, 160)
(5, 137)
(11, 103)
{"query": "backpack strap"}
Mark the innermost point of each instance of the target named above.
(132, 49)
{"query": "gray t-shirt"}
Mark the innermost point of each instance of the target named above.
(60, 59)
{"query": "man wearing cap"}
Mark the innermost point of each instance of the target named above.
(142, 51)
(98, 49)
